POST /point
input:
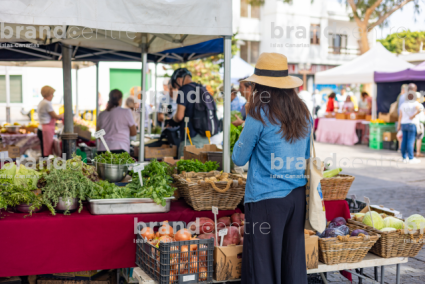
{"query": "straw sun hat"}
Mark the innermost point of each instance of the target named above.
(272, 70)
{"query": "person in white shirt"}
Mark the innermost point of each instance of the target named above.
(47, 118)
(407, 121)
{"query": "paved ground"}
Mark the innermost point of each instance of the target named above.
(382, 177)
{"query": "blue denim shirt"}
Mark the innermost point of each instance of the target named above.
(276, 167)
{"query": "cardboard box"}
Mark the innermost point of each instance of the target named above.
(389, 136)
(82, 133)
(368, 117)
(311, 251)
(340, 116)
(386, 117)
(209, 152)
(12, 151)
(227, 263)
(159, 152)
(355, 116)
(382, 209)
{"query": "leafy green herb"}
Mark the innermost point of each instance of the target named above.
(13, 195)
(196, 166)
(66, 183)
(233, 114)
(116, 159)
(235, 132)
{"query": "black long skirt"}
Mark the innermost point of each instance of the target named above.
(274, 249)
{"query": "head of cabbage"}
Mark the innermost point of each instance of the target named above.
(391, 222)
(378, 222)
(417, 220)
(388, 230)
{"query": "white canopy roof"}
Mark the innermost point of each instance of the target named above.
(47, 64)
(361, 69)
(117, 24)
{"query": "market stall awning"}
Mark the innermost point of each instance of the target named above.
(26, 51)
(416, 73)
(47, 64)
(361, 70)
(240, 69)
(117, 24)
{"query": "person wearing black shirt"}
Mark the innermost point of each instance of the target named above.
(186, 99)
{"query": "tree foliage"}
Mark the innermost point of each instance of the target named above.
(206, 70)
(394, 42)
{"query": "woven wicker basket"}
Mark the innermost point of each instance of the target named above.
(336, 188)
(346, 249)
(393, 244)
(202, 196)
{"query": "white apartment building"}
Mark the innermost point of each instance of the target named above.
(314, 35)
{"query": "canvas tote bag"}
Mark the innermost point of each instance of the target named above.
(315, 217)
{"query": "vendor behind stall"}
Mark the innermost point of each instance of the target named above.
(365, 103)
(330, 105)
(168, 104)
(47, 118)
(118, 124)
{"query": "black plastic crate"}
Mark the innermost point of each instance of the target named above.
(390, 145)
(353, 208)
(168, 264)
(314, 278)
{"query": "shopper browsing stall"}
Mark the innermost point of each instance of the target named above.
(245, 88)
(278, 127)
(408, 118)
(47, 118)
(330, 105)
(118, 124)
(168, 104)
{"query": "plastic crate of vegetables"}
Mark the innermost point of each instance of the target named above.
(169, 261)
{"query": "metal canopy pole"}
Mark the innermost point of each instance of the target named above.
(68, 138)
(155, 114)
(8, 120)
(227, 101)
(76, 91)
(374, 103)
(144, 59)
(97, 92)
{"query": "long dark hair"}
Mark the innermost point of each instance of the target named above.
(282, 107)
(114, 98)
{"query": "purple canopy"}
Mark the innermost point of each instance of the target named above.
(416, 73)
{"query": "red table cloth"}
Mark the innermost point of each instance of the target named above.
(44, 244)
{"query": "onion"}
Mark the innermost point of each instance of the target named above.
(223, 222)
(241, 241)
(237, 219)
(166, 230)
(208, 236)
(165, 239)
(147, 233)
(203, 273)
(206, 225)
(184, 256)
(193, 247)
(173, 277)
(232, 237)
(182, 235)
(157, 235)
(193, 265)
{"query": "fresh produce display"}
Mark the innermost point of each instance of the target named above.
(337, 227)
(416, 219)
(107, 190)
(67, 183)
(233, 115)
(356, 232)
(337, 222)
(206, 225)
(388, 230)
(359, 216)
(196, 166)
(17, 186)
(237, 219)
(378, 222)
(235, 132)
(331, 173)
(115, 159)
(391, 222)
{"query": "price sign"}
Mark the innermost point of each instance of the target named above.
(138, 169)
(99, 135)
(367, 201)
(222, 233)
(215, 212)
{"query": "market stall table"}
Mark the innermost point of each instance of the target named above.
(337, 131)
(23, 141)
(44, 244)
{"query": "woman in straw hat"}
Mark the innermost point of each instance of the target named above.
(276, 142)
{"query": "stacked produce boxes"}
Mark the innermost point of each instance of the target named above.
(375, 134)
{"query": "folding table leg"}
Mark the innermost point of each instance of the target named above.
(376, 273)
(382, 274)
(398, 274)
(361, 273)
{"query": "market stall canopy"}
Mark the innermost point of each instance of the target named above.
(416, 73)
(117, 24)
(25, 51)
(240, 69)
(361, 70)
(47, 64)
